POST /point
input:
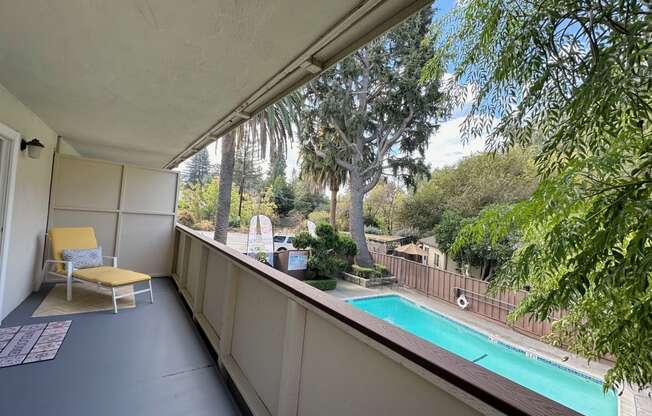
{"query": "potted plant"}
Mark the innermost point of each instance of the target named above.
(328, 255)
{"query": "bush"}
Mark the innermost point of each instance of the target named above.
(381, 269)
(370, 220)
(370, 229)
(365, 272)
(328, 250)
(204, 225)
(184, 217)
(368, 273)
(234, 223)
(319, 216)
(322, 284)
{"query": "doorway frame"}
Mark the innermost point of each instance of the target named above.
(12, 140)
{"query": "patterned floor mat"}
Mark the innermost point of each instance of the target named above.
(31, 343)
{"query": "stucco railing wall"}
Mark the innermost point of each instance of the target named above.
(445, 285)
(291, 349)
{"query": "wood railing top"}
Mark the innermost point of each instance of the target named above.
(496, 391)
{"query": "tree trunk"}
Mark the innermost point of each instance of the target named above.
(242, 177)
(356, 223)
(226, 182)
(334, 208)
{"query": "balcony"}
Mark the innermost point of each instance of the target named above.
(145, 361)
(227, 334)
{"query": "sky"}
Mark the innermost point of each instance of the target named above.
(445, 145)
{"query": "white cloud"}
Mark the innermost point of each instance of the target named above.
(446, 147)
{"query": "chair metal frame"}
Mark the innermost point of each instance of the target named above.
(70, 279)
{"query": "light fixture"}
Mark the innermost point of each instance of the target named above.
(33, 147)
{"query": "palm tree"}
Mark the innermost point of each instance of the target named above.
(270, 130)
(227, 163)
(324, 172)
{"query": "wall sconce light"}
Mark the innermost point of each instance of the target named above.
(33, 147)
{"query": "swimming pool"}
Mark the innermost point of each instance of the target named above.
(573, 389)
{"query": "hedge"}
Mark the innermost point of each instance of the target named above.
(365, 272)
(322, 284)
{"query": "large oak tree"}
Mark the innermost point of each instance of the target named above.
(382, 113)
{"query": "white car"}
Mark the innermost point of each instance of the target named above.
(283, 242)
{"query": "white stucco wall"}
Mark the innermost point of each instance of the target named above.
(30, 201)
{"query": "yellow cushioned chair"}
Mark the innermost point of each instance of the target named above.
(108, 277)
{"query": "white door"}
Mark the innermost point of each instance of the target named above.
(4, 174)
(9, 142)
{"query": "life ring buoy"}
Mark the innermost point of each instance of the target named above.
(462, 302)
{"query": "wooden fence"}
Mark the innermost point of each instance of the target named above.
(445, 285)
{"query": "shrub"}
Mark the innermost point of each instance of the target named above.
(261, 256)
(365, 272)
(381, 269)
(185, 217)
(371, 229)
(234, 222)
(322, 284)
(328, 250)
(203, 225)
(319, 216)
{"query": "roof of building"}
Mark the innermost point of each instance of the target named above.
(429, 241)
(412, 249)
(383, 238)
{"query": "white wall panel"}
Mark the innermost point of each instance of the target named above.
(146, 243)
(83, 183)
(342, 376)
(104, 223)
(214, 290)
(131, 208)
(148, 190)
(258, 332)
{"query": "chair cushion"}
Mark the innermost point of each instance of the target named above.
(70, 238)
(110, 276)
(84, 258)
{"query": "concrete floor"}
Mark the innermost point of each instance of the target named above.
(631, 403)
(149, 360)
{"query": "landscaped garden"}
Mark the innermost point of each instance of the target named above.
(558, 202)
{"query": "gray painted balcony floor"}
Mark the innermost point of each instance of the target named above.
(149, 360)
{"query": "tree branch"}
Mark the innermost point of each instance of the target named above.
(345, 137)
(344, 164)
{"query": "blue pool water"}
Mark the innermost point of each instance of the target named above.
(581, 393)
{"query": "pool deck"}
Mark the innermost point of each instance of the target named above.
(630, 403)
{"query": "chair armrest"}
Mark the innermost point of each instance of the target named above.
(114, 260)
(67, 264)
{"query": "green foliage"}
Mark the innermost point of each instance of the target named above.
(574, 77)
(282, 195)
(198, 169)
(379, 111)
(370, 272)
(486, 241)
(370, 229)
(306, 198)
(198, 202)
(319, 216)
(322, 284)
(365, 272)
(472, 184)
(447, 229)
(197, 206)
(381, 269)
(382, 204)
(328, 250)
(261, 256)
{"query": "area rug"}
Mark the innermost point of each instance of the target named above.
(85, 298)
(31, 343)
